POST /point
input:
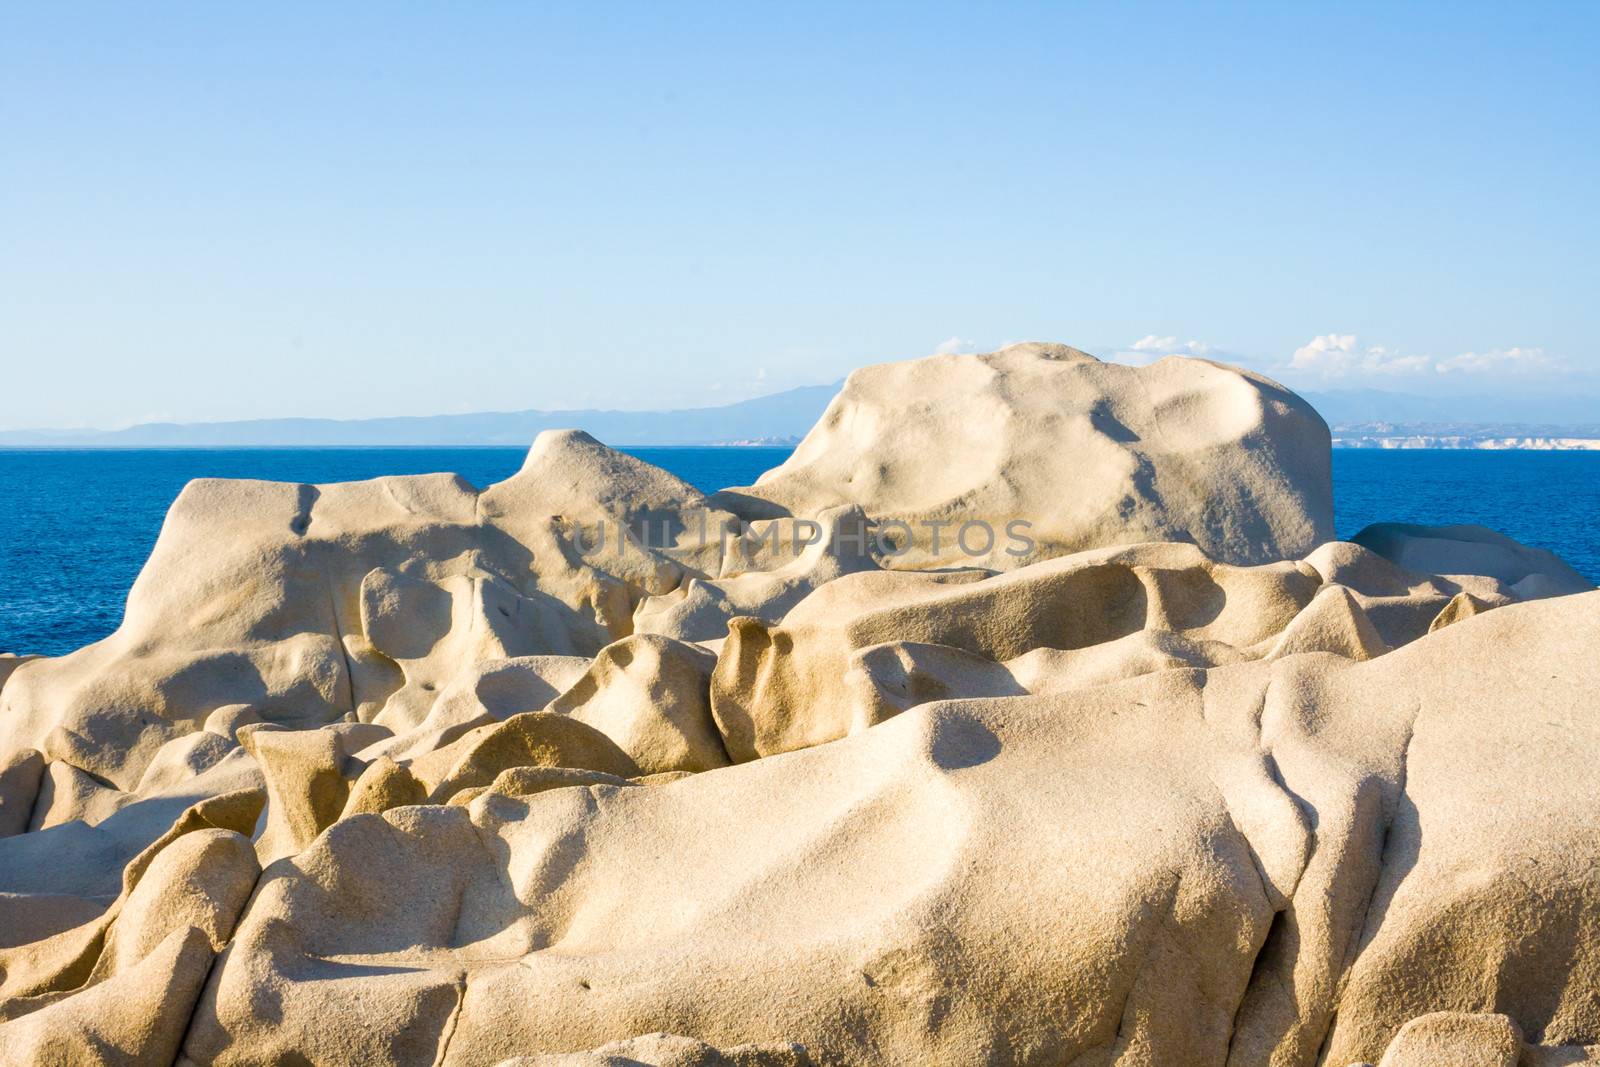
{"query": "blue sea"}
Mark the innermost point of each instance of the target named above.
(76, 525)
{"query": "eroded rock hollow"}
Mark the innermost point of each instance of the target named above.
(588, 768)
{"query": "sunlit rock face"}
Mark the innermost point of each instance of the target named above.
(1087, 453)
(587, 768)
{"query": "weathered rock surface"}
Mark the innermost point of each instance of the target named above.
(400, 772)
(1088, 453)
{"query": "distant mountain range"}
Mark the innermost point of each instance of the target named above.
(782, 418)
(1364, 417)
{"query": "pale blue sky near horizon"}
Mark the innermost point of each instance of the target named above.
(236, 211)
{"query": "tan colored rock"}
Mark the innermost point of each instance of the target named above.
(1455, 1038)
(1559, 1055)
(183, 759)
(137, 1017)
(431, 628)
(201, 880)
(1090, 453)
(641, 908)
(1530, 572)
(1155, 833)
(1401, 604)
(1333, 622)
(483, 694)
(1462, 606)
(196, 876)
(1489, 883)
(68, 794)
(20, 773)
(306, 789)
(227, 720)
(785, 687)
(570, 484)
(773, 566)
(533, 739)
(308, 604)
(382, 784)
(650, 695)
(1436, 849)
(669, 1050)
(95, 862)
(1131, 804)
(9, 662)
(528, 781)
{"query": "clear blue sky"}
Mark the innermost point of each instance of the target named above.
(247, 209)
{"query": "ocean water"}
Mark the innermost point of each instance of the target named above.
(76, 525)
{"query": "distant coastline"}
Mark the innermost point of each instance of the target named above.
(1393, 442)
(1364, 419)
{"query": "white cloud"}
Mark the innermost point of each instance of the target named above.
(1338, 356)
(1150, 348)
(952, 346)
(1171, 346)
(1341, 355)
(1344, 360)
(1513, 360)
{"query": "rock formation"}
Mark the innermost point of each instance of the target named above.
(590, 769)
(1088, 453)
